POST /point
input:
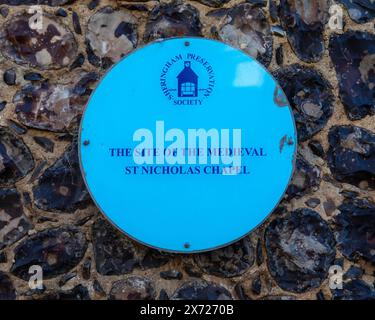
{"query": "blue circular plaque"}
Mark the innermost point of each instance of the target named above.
(187, 144)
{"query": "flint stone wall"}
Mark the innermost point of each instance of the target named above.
(327, 217)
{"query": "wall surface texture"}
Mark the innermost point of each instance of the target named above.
(326, 219)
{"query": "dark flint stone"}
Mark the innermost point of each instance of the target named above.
(328, 178)
(354, 290)
(313, 202)
(201, 290)
(310, 96)
(320, 296)
(300, 249)
(103, 46)
(193, 271)
(240, 292)
(136, 7)
(278, 31)
(115, 254)
(78, 62)
(24, 45)
(76, 23)
(230, 261)
(66, 278)
(339, 262)
(280, 210)
(33, 76)
(79, 292)
(61, 13)
(124, 29)
(13, 223)
(86, 270)
(304, 22)
(213, 3)
(37, 171)
(95, 60)
(214, 31)
(353, 273)
(46, 219)
(93, 4)
(316, 148)
(246, 27)
(16, 160)
(66, 136)
(84, 220)
(260, 3)
(10, 77)
(3, 258)
(217, 13)
(256, 286)
(132, 288)
(348, 194)
(351, 155)
(54, 107)
(16, 127)
(98, 288)
(82, 87)
(163, 295)
(7, 291)
(61, 187)
(26, 199)
(57, 251)
(280, 55)
(355, 230)
(329, 206)
(353, 55)
(274, 11)
(172, 20)
(3, 105)
(361, 11)
(247, 289)
(306, 179)
(171, 275)
(45, 143)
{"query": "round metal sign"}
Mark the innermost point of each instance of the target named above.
(187, 144)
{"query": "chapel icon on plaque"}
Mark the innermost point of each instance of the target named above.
(187, 82)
